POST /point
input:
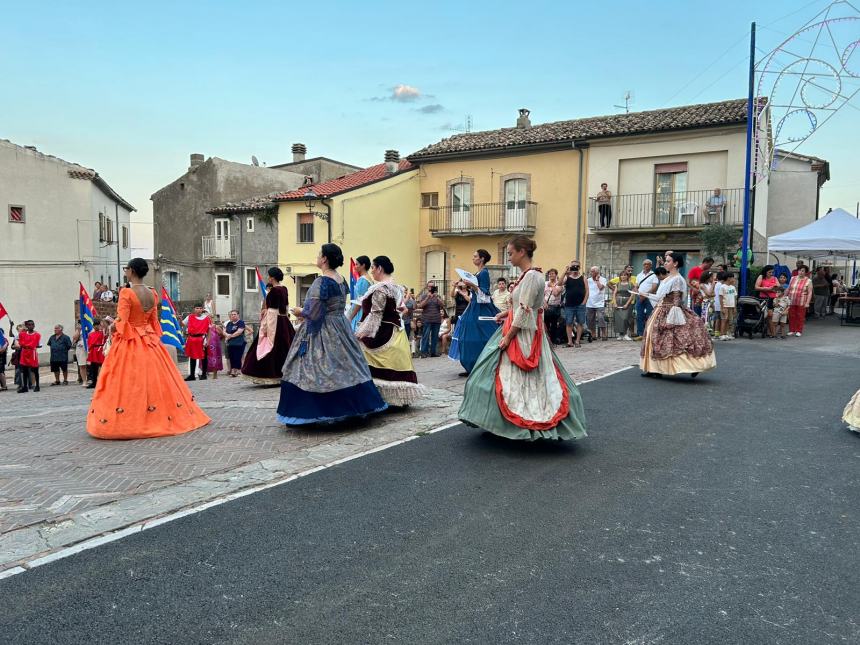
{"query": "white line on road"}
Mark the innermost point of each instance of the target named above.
(143, 525)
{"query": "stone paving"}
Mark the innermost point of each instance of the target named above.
(59, 486)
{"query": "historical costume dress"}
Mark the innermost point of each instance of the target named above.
(471, 333)
(523, 391)
(326, 378)
(676, 340)
(361, 287)
(214, 354)
(851, 415)
(140, 393)
(265, 359)
(386, 346)
(197, 331)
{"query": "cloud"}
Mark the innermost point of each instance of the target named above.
(433, 108)
(402, 93)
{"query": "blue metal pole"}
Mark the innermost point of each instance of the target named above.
(748, 171)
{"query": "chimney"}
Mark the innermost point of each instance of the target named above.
(392, 161)
(523, 120)
(299, 152)
(196, 160)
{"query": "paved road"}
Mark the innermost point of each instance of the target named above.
(723, 511)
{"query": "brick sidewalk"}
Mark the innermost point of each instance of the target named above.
(59, 486)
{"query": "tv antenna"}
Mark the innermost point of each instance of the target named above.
(466, 126)
(628, 99)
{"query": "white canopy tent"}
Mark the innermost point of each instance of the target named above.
(837, 235)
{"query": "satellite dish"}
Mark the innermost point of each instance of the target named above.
(254, 161)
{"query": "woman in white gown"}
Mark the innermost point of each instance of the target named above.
(676, 340)
(518, 388)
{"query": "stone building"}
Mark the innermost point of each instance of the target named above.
(62, 224)
(199, 253)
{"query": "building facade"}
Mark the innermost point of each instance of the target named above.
(663, 182)
(62, 224)
(370, 212)
(201, 251)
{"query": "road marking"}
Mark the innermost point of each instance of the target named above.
(143, 525)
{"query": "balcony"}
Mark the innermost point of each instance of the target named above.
(218, 248)
(497, 218)
(687, 210)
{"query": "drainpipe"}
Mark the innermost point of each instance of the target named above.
(579, 146)
(241, 280)
(328, 218)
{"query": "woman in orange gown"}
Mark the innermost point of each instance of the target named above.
(140, 393)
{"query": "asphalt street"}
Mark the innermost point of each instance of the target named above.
(718, 510)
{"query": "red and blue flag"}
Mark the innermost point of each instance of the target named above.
(87, 314)
(261, 282)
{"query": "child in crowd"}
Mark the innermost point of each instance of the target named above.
(718, 315)
(417, 330)
(728, 306)
(780, 307)
(446, 330)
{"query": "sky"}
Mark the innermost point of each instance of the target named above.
(132, 88)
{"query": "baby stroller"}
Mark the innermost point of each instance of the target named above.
(752, 317)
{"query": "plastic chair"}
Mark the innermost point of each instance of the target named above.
(688, 209)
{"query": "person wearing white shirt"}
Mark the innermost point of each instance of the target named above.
(596, 304)
(646, 282)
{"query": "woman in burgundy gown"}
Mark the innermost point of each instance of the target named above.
(268, 353)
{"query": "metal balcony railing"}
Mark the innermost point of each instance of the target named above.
(688, 209)
(483, 219)
(218, 248)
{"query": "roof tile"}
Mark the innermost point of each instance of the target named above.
(342, 184)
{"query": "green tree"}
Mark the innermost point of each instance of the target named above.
(718, 240)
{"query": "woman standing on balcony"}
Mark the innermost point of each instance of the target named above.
(604, 205)
(476, 324)
(519, 389)
(676, 341)
(265, 358)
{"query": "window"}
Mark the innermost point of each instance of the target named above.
(461, 206)
(515, 204)
(171, 283)
(16, 214)
(429, 200)
(102, 228)
(222, 284)
(249, 225)
(125, 237)
(109, 234)
(670, 190)
(250, 279)
(306, 228)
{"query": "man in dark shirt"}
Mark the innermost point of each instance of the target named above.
(575, 297)
(431, 319)
(60, 345)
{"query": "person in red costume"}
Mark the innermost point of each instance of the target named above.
(95, 351)
(197, 330)
(29, 340)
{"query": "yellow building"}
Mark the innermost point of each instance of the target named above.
(478, 190)
(370, 212)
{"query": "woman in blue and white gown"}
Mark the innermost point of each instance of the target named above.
(471, 333)
(326, 378)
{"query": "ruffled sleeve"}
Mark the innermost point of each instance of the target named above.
(482, 295)
(529, 299)
(370, 325)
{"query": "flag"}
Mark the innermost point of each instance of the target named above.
(353, 278)
(87, 311)
(3, 311)
(170, 333)
(261, 282)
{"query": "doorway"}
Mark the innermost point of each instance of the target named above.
(223, 295)
(222, 238)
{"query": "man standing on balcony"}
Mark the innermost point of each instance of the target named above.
(715, 208)
(604, 205)
(647, 283)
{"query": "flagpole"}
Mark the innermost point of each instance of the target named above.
(748, 169)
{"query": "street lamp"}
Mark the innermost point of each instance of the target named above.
(310, 202)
